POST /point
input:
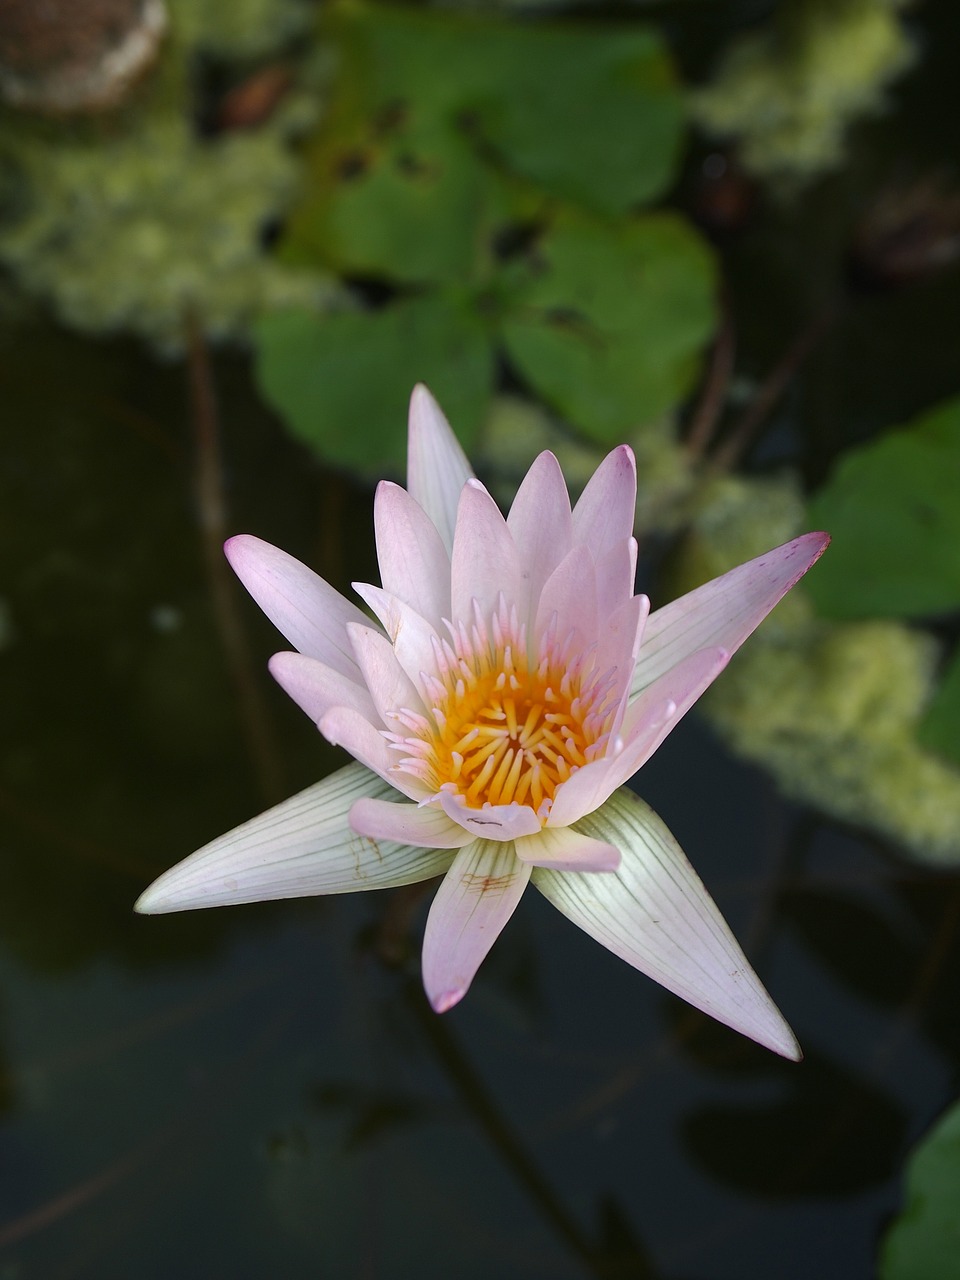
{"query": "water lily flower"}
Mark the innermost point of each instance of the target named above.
(513, 683)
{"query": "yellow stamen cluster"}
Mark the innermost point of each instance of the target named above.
(504, 729)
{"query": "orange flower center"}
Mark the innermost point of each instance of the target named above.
(500, 729)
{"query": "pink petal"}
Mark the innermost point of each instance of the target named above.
(485, 560)
(616, 574)
(655, 913)
(618, 644)
(307, 610)
(316, 688)
(413, 638)
(564, 849)
(437, 468)
(301, 847)
(344, 728)
(647, 722)
(570, 596)
(541, 526)
(725, 611)
(497, 822)
(408, 824)
(390, 687)
(605, 513)
(476, 898)
(414, 564)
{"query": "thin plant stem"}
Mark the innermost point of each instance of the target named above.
(211, 514)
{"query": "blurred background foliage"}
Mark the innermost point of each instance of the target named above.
(727, 232)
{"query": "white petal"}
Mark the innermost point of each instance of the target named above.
(425, 825)
(315, 688)
(476, 898)
(606, 511)
(437, 468)
(414, 563)
(726, 610)
(485, 561)
(307, 610)
(541, 526)
(564, 849)
(655, 913)
(302, 847)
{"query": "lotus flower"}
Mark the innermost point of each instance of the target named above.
(513, 684)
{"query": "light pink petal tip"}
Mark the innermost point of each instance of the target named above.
(437, 467)
(304, 608)
(725, 611)
(493, 821)
(564, 849)
(301, 847)
(654, 913)
(476, 898)
(607, 507)
(414, 563)
(408, 824)
(485, 563)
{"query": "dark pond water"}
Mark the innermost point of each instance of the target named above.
(261, 1091)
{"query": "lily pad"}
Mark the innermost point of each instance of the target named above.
(430, 112)
(608, 319)
(892, 507)
(924, 1241)
(342, 383)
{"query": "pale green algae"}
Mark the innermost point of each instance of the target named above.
(127, 223)
(831, 709)
(788, 93)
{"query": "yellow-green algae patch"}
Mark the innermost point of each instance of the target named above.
(127, 223)
(831, 709)
(788, 92)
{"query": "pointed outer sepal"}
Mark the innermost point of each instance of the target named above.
(437, 468)
(302, 847)
(307, 610)
(655, 913)
(726, 610)
(425, 825)
(485, 561)
(496, 822)
(411, 635)
(570, 596)
(414, 563)
(476, 898)
(646, 723)
(390, 687)
(607, 507)
(315, 688)
(542, 528)
(344, 728)
(564, 849)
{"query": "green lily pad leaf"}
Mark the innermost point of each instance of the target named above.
(395, 195)
(892, 507)
(342, 383)
(430, 112)
(940, 729)
(924, 1241)
(590, 114)
(609, 320)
